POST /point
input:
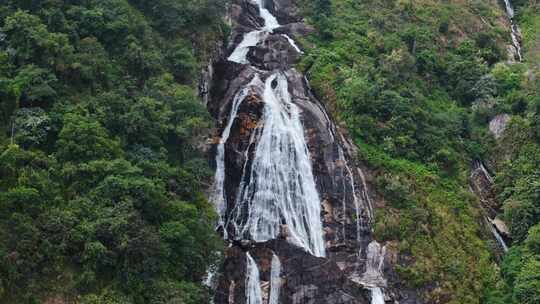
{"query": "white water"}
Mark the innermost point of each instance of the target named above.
(377, 295)
(293, 43)
(514, 29)
(498, 237)
(218, 194)
(509, 9)
(270, 22)
(480, 165)
(281, 187)
(251, 39)
(253, 282)
(275, 280)
(373, 278)
(353, 192)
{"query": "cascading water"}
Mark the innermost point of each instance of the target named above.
(251, 39)
(275, 280)
(373, 277)
(479, 167)
(498, 237)
(515, 32)
(253, 282)
(281, 187)
(218, 193)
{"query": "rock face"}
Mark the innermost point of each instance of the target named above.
(498, 124)
(265, 201)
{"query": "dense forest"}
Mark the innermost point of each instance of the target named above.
(101, 179)
(104, 171)
(417, 83)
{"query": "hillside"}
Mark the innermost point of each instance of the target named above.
(101, 180)
(350, 152)
(417, 83)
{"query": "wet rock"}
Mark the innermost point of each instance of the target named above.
(482, 185)
(304, 278)
(501, 226)
(274, 53)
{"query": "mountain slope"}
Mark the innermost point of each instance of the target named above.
(416, 83)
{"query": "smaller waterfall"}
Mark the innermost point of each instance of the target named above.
(373, 278)
(479, 166)
(253, 282)
(515, 32)
(251, 39)
(218, 193)
(275, 280)
(293, 43)
(498, 237)
(348, 170)
(509, 9)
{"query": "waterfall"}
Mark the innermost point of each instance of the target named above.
(291, 41)
(218, 194)
(479, 166)
(353, 191)
(498, 237)
(281, 187)
(251, 39)
(253, 282)
(277, 196)
(373, 277)
(275, 280)
(515, 32)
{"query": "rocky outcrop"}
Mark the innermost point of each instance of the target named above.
(303, 277)
(498, 125)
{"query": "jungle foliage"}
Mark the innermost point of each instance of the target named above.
(416, 84)
(100, 179)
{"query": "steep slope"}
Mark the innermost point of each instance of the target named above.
(416, 83)
(514, 158)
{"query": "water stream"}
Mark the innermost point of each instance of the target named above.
(218, 196)
(479, 166)
(253, 282)
(275, 280)
(373, 277)
(515, 32)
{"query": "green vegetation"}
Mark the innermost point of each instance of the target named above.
(416, 83)
(517, 159)
(100, 180)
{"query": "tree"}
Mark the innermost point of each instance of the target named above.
(83, 139)
(33, 43)
(532, 243)
(527, 287)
